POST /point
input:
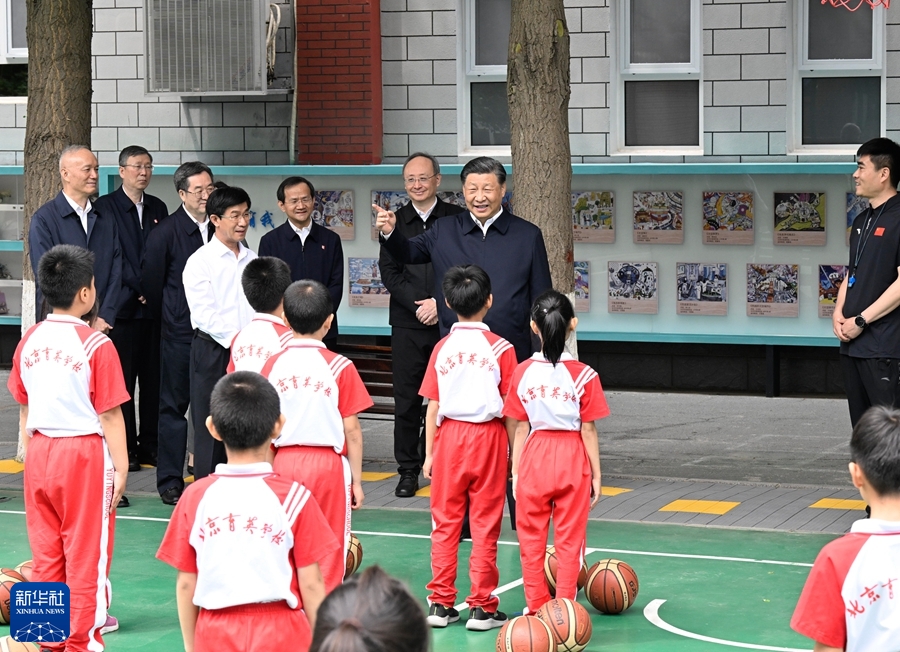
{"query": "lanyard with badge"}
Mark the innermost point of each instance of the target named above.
(861, 244)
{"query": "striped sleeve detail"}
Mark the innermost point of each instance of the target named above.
(295, 501)
(587, 375)
(285, 337)
(338, 364)
(94, 342)
(500, 346)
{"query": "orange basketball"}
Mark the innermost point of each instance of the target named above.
(25, 569)
(525, 634)
(569, 622)
(612, 586)
(354, 556)
(550, 566)
(6, 585)
(7, 644)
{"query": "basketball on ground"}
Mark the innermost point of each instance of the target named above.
(612, 586)
(354, 556)
(15, 574)
(25, 568)
(7, 644)
(6, 584)
(525, 634)
(569, 622)
(551, 565)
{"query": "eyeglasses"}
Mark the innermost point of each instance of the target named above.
(411, 181)
(199, 193)
(235, 218)
(306, 201)
(146, 168)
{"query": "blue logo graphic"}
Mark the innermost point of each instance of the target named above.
(39, 612)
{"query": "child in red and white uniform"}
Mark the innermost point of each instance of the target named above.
(264, 281)
(247, 543)
(851, 600)
(467, 449)
(321, 394)
(553, 401)
(68, 380)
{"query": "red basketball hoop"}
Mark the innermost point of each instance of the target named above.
(859, 3)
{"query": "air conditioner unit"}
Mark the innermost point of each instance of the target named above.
(205, 47)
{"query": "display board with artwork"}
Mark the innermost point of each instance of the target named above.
(728, 217)
(334, 209)
(702, 288)
(658, 217)
(800, 218)
(366, 287)
(582, 286)
(773, 290)
(855, 206)
(831, 277)
(633, 287)
(593, 217)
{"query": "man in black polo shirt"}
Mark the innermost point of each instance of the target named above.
(866, 319)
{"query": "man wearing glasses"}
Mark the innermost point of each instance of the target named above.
(169, 246)
(413, 315)
(136, 335)
(310, 250)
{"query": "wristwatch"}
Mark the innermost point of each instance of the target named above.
(861, 321)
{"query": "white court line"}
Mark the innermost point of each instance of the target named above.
(651, 613)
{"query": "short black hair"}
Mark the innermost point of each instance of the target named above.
(187, 170)
(62, 272)
(466, 288)
(875, 447)
(244, 408)
(484, 165)
(222, 199)
(290, 182)
(307, 305)
(132, 150)
(884, 153)
(264, 281)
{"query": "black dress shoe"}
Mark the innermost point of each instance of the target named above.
(408, 485)
(147, 459)
(171, 495)
(133, 464)
(124, 502)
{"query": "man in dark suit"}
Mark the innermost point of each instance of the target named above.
(310, 250)
(169, 246)
(136, 334)
(413, 315)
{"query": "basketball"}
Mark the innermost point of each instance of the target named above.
(7, 644)
(525, 634)
(15, 574)
(612, 586)
(25, 568)
(354, 556)
(569, 622)
(550, 566)
(6, 584)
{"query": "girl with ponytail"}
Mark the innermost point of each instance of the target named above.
(552, 403)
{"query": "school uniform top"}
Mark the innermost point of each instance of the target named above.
(172, 242)
(512, 253)
(258, 341)
(134, 227)
(245, 531)
(468, 373)
(560, 397)
(212, 287)
(318, 389)
(851, 599)
(320, 258)
(67, 374)
(57, 222)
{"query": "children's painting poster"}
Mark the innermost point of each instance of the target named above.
(830, 279)
(702, 288)
(659, 217)
(800, 218)
(728, 218)
(592, 217)
(582, 286)
(452, 197)
(855, 206)
(633, 288)
(366, 288)
(334, 210)
(391, 200)
(773, 290)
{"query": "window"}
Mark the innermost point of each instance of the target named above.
(838, 91)
(658, 104)
(483, 114)
(12, 30)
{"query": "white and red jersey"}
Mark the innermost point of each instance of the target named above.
(468, 373)
(318, 389)
(68, 374)
(245, 531)
(851, 599)
(258, 341)
(555, 397)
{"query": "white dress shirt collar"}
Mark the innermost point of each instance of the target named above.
(304, 232)
(426, 213)
(204, 225)
(81, 212)
(484, 227)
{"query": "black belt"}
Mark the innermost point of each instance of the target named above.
(203, 335)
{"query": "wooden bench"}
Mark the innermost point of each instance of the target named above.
(374, 365)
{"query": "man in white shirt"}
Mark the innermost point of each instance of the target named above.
(219, 310)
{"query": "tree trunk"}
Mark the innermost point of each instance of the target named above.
(58, 33)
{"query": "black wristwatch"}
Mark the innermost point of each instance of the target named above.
(861, 321)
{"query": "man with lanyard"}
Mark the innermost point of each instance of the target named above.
(866, 319)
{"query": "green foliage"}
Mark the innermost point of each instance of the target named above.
(14, 80)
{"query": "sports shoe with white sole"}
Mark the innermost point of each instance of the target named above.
(111, 625)
(441, 616)
(482, 621)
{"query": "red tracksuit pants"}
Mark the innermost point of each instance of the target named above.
(270, 626)
(470, 467)
(68, 491)
(554, 479)
(327, 475)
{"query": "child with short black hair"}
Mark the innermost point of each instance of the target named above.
(467, 449)
(247, 543)
(849, 601)
(68, 381)
(552, 404)
(264, 281)
(321, 395)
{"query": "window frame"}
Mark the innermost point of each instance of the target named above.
(9, 54)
